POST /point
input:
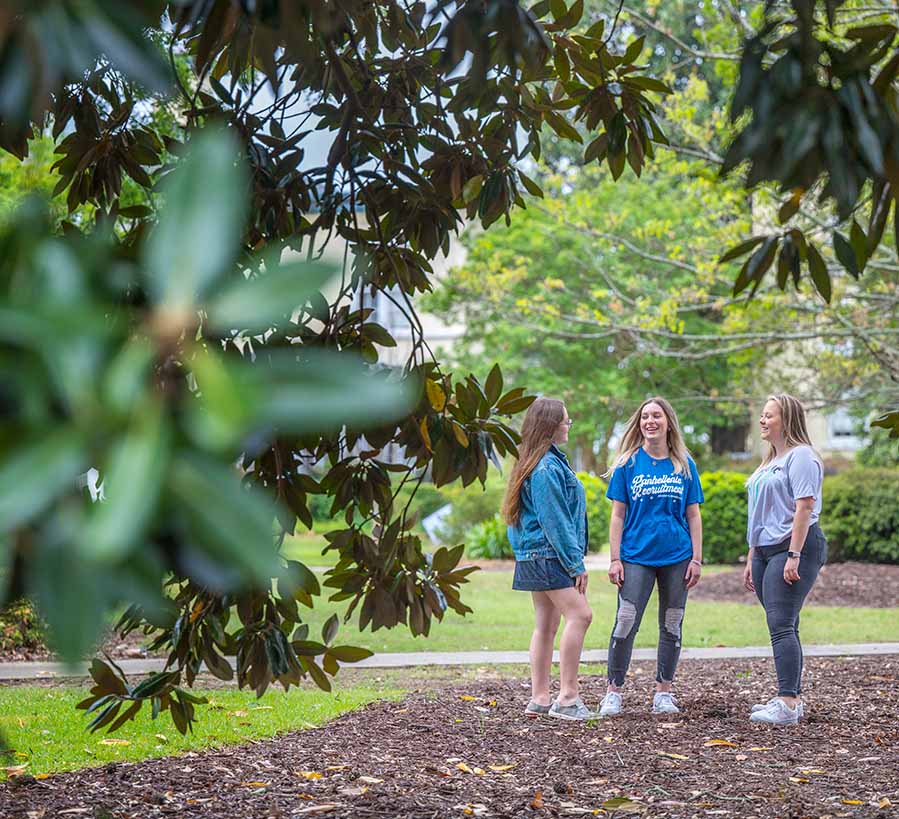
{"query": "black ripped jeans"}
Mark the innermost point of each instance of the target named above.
(633, 596)
(783, 602)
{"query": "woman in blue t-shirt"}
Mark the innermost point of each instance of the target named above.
(655, 537)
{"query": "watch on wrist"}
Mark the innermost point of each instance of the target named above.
(791, 553)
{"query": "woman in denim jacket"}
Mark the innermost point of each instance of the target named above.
(546, 509)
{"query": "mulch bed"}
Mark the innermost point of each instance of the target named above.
(113, 644)
(839, 584)
(468, 751)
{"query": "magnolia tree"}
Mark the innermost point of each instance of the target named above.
(159, 333)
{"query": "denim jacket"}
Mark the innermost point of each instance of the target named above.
(553, 515)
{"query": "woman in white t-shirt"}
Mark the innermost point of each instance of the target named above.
(786, 545)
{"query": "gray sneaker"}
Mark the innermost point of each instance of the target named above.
(663, 703)
(776, 712)
(610, 705)
(576, 711)
(534, 709)
(760, 707)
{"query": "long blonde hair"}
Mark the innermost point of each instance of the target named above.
(632, 439)
(541, 422)
(792, 416)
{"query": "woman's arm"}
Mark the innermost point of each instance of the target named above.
(616, 530)
(694, 521)
(801, 522)
(747, 572)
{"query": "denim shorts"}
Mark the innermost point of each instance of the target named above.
(541, 574)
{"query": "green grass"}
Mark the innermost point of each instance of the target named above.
(307, 548)
(45, 731)
(503, 620)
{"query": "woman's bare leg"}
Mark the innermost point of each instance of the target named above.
(578, 616)
(546, 624)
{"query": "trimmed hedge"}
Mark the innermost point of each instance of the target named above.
(599, 511)
(861, 515)
(724, 517)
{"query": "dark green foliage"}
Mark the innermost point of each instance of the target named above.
(822, 98)
(724, 517)
(861, 515)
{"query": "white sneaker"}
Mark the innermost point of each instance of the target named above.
(610, 705)
(776, 712)
(663, 703)
(761, 707)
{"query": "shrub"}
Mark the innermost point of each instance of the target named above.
(861, 515)
(472, 505)
(599, 511)
(20, 627)
(724, 517)
(489, 539)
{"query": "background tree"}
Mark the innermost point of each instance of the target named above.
(621, 281)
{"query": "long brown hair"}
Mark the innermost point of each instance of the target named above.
(632, 439)
(541, 422)
(792, 417)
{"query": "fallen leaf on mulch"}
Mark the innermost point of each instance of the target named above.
(15, 770)
(671, 756)
(537, 801)
(309, 774)
(254, 784)
(623, 803)
(371, 780)
(723, 743)
(500, 768)
(329, 808)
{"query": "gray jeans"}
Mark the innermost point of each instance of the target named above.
(632, 599)
(783, 602)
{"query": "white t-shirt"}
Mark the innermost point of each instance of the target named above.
(773, 492)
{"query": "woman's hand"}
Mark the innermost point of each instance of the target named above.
(747, 576)
(791, 570)
(580, 583)
(694, 572)
(616, 573)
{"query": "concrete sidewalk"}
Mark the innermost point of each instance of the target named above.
(43, 671)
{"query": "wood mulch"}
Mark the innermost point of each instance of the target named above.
(850, 584)
(468, 751)
(113, 644)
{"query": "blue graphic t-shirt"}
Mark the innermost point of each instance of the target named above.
(656, 532)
